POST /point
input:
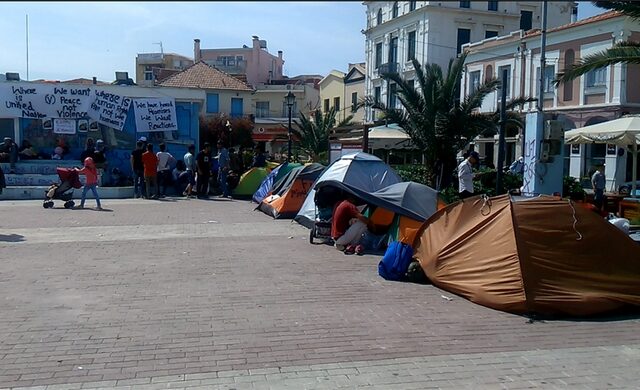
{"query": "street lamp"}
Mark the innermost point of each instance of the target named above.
(290, 100)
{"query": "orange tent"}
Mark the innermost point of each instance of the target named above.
(290, 191)
(543, 255)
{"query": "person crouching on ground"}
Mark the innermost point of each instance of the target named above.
(347, 227)
(91, 173)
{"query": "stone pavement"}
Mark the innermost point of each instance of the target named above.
(190, 294)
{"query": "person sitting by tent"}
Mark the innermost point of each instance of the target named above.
(259, 159)
(347, 226)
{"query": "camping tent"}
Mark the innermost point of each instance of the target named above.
(267, 184)
(359, 170)
(623, 131)
(249, 182)
(543, 255)
(290, 191)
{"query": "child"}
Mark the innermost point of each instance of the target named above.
(91, 174)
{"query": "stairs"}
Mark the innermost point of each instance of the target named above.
(33, 177)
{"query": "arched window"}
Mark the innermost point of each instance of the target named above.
(379, 17)
(569, 58)
(394, 12)
(488, 73)
(412, 6)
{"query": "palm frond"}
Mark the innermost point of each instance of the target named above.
(622, 53)
(629, 8)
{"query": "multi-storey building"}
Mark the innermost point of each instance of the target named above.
(255, 64)
(600, 95)
(434, 32)
(153, 68)
(345, 92)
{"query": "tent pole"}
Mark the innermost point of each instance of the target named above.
(634, 169)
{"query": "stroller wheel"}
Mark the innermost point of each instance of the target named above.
(312, 235)
(69, 204)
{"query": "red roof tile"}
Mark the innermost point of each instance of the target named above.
(593, 19)
(202, 76)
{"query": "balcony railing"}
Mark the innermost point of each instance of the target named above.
(389, 67)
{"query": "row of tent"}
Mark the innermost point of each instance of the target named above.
(542, 255)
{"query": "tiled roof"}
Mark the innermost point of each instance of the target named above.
(593, 19)
(203, 76)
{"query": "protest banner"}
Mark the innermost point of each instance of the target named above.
(155, 115)
(64, 126)
(109, 109)
(37, 101)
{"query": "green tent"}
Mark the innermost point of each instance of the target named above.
(249, 182)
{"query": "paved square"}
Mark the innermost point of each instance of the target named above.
(176, 294)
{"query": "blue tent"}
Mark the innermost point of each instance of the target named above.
(267, 184)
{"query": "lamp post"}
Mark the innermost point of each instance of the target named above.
(290, 100)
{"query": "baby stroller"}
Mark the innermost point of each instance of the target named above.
(325, 199)
(64, 191)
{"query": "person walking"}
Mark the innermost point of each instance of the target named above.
(223, 169)
(190, 165)
(465, 175)
(138, 170)
(598, 182)
(91, 173)
(150, 163)
(164, 169)
(203, 162)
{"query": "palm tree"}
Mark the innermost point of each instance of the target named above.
(627, 52)
(313, 132)
(435, 119)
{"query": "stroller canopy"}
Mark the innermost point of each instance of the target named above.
(69, 175)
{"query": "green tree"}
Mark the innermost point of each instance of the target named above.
(627, 52)
(234, 131)
(437, 121)
(312, 132)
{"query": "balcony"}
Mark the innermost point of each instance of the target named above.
(389, 67)
(231, 67)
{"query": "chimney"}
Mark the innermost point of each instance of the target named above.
(95, 80)
(280, 54)
(256, 42)
(196, 50)
(574, 14)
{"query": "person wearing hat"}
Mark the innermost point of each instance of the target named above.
(465, 175)
(598, 181)
(9, 152)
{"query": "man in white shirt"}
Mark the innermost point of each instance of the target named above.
(190, 162)
(164, 169)
(465, 175)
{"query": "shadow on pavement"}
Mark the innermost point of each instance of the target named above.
(11, 238)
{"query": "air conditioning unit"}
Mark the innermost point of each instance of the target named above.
(12, 76)
(122, 76)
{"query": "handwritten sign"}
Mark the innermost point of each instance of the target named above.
(155, 115)
(109, 109)
(64, 126)
(37, 101)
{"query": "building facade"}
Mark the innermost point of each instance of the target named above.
(255, 64)
(152, 68)
(598, 96)
(434, 32)
(345, 92)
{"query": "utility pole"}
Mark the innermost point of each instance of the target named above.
(27, 30)
(501, 140)
(543, 59)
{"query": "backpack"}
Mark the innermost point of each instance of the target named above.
(395, 262)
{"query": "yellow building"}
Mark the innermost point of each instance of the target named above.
(153, 68)
(344, 92)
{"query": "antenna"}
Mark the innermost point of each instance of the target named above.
(159, 43)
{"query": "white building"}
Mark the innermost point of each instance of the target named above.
(434, 31)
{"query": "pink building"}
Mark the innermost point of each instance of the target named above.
(254, 63)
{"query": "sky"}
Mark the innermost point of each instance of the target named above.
(69, 40)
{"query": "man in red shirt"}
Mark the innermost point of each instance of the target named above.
(347, 226)
(150, 164)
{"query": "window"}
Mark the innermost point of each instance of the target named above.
(412, 6)
(294, 110)
(262, 109)
(379, 17)
(465, 4)
(464, 36)
(227, 60)
(393, 54)
(549, 74)
(411, 43)
(326, 105)
(488, 73)
(236, 107)
(394, 11)
(492, 6)
(212, 103)
(377, 94)
(596, 78)
(378, 54)
(336, 103)
(474, 80)
(148, 73)
(393, 95)
(354, 101)
(526, 20)
(508, 83)
(569, 59)
(490, 34)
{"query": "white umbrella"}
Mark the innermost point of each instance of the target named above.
(622, 132)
